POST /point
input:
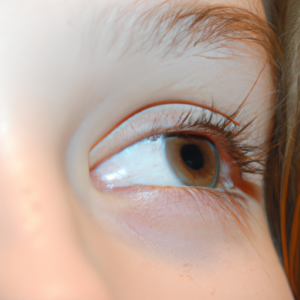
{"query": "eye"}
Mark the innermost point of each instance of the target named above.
(163, 160)
(194, 160)
(175, 162)
(176, 145)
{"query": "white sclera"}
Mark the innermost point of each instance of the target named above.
(143, 163)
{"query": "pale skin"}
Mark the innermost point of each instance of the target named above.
(63, 87)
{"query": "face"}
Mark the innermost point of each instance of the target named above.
(127, 166)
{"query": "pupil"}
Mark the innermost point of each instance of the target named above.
(192, 156)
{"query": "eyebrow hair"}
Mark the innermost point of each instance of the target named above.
(178, 26)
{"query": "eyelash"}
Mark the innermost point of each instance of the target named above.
(231, 137)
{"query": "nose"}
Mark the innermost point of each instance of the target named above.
(41, 256)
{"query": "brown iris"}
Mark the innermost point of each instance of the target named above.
(194, 160)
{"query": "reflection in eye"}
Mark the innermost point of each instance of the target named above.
(165, 160)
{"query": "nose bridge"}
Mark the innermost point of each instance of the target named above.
(40, 254)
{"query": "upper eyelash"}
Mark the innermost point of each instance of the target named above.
(249, 158)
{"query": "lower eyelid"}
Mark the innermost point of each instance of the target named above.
(173, 223)
(210, 205)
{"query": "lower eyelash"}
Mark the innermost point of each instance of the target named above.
(206, 202)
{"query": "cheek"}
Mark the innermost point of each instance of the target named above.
(163, 248)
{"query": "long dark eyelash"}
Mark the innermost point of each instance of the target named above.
(249, 158)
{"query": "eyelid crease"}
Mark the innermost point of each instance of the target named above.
(156, 120)
(159, 103)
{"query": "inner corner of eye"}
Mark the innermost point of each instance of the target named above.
(163, 160)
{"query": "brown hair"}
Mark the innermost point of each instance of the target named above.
(282, 181)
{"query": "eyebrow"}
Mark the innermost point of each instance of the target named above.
(178, 26)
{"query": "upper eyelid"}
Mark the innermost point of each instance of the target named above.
(102, 149)
(156, 104)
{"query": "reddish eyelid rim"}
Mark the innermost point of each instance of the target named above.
(245, 186)
(158, 104)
